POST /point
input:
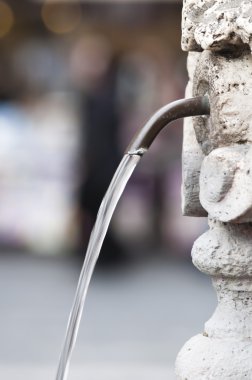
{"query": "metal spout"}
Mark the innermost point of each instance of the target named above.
(170, 112)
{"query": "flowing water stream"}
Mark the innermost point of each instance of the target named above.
(108, 205)
(138, 146)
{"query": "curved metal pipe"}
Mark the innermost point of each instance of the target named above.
(170, 112)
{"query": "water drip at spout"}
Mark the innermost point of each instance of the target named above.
(139, 145)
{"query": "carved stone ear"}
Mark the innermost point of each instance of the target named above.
(226, 183)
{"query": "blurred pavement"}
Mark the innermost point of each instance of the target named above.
(135, 321)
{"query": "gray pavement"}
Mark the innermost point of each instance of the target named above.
(135, 320)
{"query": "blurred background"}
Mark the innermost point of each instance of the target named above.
(77, 80)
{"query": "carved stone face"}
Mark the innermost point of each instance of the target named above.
(224, 73)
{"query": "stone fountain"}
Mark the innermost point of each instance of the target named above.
(217, 182)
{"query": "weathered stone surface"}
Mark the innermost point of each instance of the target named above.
(224, 250)
(232, 318)
(218, 25)
(220, 159)
(204, 358)
(222, 352)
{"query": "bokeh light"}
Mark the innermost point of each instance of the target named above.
(61, 18)
(6, 18)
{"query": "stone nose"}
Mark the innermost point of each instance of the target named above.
(226, 184)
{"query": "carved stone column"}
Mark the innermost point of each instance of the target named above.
(217, 181)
